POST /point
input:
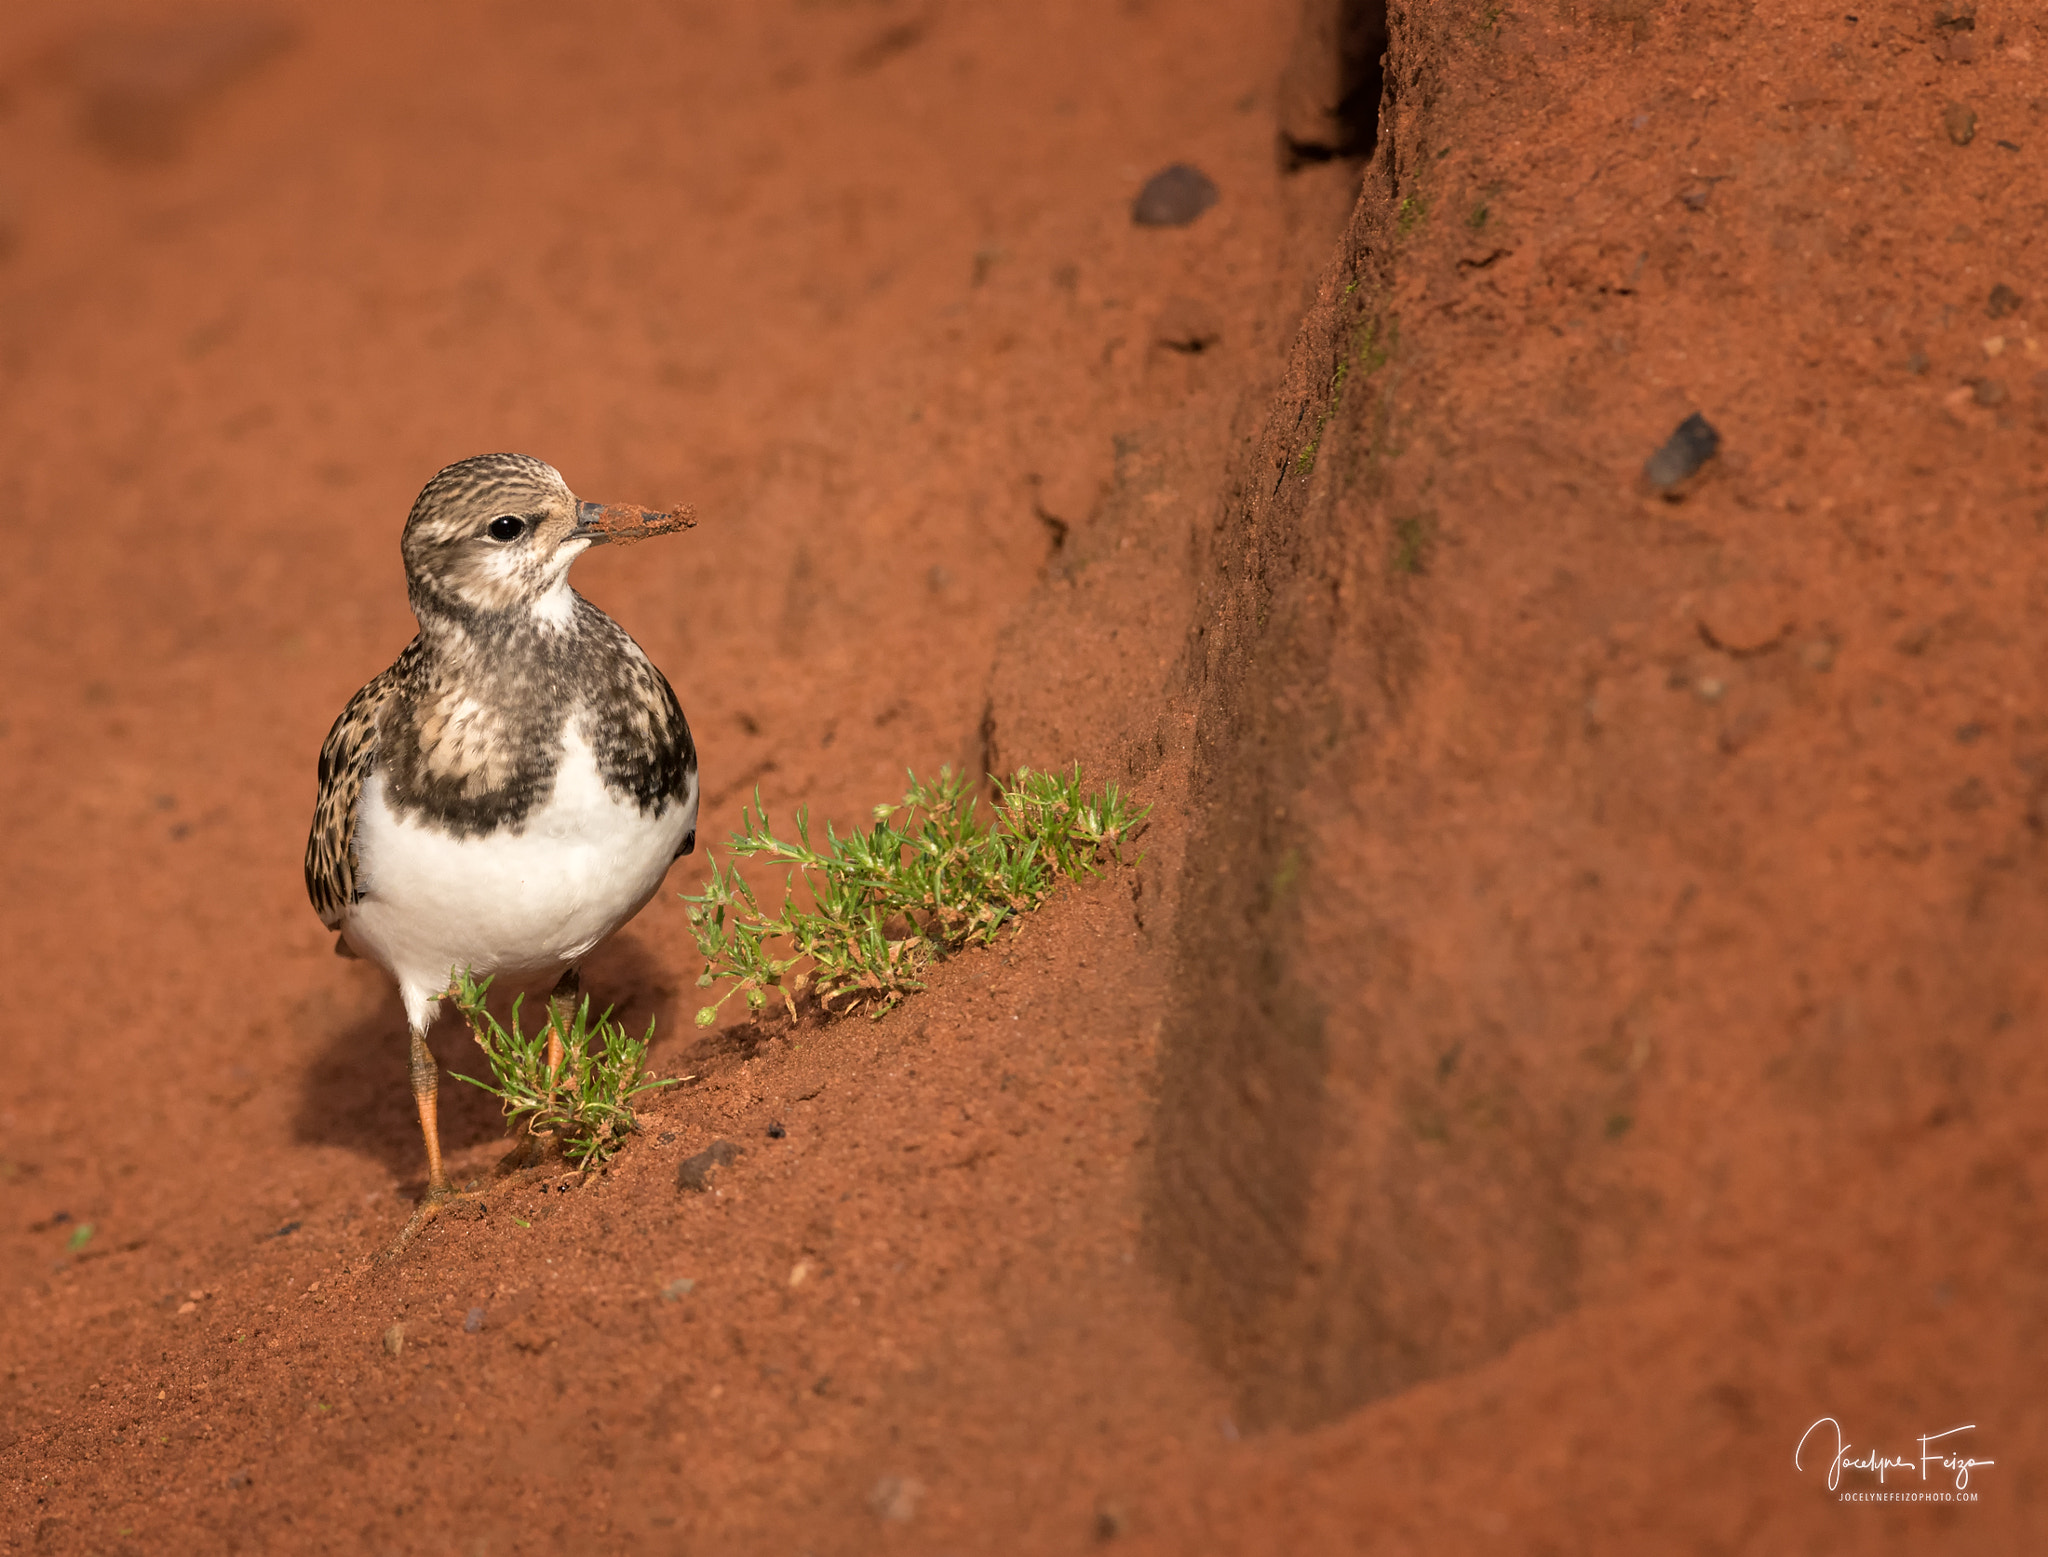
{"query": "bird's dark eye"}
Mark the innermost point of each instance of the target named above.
(506, 527)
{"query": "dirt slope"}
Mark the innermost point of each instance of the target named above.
(1572, 1026)
(861, 283)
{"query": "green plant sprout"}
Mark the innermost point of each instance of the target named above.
(586, 1103)
(927, 879)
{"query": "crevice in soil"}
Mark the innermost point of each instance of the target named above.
(1244, 1125)
(1330, 96)
(1311, 1238)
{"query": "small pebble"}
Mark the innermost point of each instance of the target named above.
(2003, 300)
(394, 1340)
(473, 1321)
(1173, 197)
(776, 1132)
(1690, 446)
(1960, 122)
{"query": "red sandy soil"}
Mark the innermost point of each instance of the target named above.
(1577, 1018)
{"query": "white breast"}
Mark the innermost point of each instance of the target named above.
(525, 904)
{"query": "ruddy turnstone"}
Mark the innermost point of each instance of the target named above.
(515, 786)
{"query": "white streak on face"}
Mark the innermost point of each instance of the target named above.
(556, 605)
(504, 566)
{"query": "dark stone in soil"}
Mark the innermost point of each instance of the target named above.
(2003, 300)
(1688, 448)
(776, 1132)
(1173, 197)
(694, 1173)
(1186, 325)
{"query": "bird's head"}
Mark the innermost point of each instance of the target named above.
(495, 536)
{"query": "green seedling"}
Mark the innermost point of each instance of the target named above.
(927, 879)
(81, 1235)
(586, 1104)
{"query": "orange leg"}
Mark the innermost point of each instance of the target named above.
(561, 1015)
(530, 1149)
(426, 1085)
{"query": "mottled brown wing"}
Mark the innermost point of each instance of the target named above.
(346, 758)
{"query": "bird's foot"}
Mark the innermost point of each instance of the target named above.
(463, 1205)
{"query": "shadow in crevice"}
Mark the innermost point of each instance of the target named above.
(1330, 93)
(355, 1092)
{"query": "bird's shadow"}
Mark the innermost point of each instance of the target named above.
(357, 1092)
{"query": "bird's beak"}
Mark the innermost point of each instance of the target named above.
(598, 523)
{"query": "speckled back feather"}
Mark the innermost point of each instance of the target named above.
(346, 758)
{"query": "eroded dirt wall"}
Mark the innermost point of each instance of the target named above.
(1616, 915)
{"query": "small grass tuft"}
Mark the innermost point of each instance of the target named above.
(586, 1105)
(926, 879)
